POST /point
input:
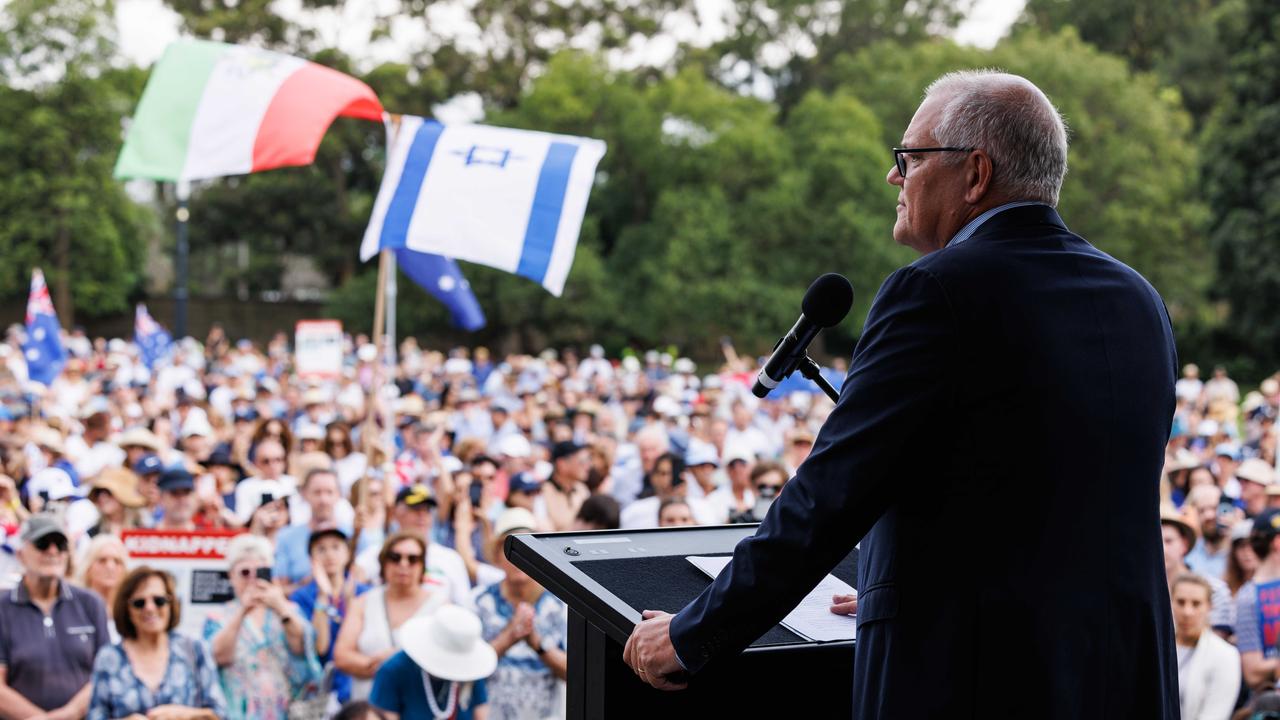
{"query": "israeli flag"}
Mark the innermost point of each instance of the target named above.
(43, 348)
(152, 339)
(509, 199)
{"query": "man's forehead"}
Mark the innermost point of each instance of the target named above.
(920, 129)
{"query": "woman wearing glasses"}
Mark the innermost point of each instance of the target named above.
(153, 669)
(261, 643)
(370, 633)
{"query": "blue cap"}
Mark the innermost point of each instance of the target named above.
(176, 478)
(524, 482)
(148, 464)
(246, 415)
(1227, 449)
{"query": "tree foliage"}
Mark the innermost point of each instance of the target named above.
(60, 208)
(1242, 187)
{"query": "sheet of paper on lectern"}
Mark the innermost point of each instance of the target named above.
(812, 619)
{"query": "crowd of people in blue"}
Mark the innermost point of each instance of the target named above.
(366, 578)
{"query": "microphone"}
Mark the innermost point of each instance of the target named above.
(825, 304)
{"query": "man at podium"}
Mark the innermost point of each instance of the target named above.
(1000, 574)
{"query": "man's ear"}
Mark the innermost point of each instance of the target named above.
(978, 177)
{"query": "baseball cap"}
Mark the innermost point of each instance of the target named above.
(524, 482)
(415, 495)
(54, 481)
(318, 535)
(702, 453)
(176, 479)
(221, 456)
(1229, 450)
(246, 415)
(564, 449)
(1266, 524)
(41, 525)
(514, 446)
(148, 464)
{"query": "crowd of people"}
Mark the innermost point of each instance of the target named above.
(1220, 519)
(367, 578)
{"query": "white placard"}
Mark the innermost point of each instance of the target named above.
(196, 560)
(318, 349)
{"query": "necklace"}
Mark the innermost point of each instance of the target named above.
(436, 712)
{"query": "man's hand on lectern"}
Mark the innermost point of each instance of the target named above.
(845, 604)
(651, 655)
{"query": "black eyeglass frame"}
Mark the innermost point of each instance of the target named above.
(901, 162)
(159, 601)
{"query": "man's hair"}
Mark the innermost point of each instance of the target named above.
(1011, 120)
(315, 472)
(601, 511)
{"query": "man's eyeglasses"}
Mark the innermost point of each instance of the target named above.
(395, 558)
(276, 459)
(160, 601)
(55, 540)
(899, 155)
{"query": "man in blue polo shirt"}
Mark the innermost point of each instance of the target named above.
(50, 630)
(321, 491)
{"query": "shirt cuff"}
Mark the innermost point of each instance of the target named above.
(683, 666)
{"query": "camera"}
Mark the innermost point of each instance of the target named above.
(264, 573)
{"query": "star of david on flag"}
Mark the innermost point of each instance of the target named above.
(510, 199)
(152, 339)
(43, 347)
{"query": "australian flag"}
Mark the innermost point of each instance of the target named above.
(153, 340)
(441, 277)
(43, 348)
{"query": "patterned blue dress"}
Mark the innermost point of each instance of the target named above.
(191, 679)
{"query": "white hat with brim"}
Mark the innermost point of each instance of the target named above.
(448, 645)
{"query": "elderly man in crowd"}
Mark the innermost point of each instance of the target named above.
(50, 631)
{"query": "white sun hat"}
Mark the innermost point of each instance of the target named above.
(448, 645)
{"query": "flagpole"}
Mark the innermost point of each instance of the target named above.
(183, 192)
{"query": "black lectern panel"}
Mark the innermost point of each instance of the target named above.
(606, 578)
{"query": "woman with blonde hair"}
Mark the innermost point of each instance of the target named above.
(102, 568)
(371, 631)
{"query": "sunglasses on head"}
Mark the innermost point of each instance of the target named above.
(55, 540)
(395, 558)
(159, 601)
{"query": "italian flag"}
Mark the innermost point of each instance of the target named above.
(212, 109)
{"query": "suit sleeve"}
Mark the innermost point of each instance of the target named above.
(897, 396)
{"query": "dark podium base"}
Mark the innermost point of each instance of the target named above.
(783, 683)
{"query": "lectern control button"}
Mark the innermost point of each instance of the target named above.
(571, 551)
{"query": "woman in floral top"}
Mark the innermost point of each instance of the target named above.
(153, 668)
(260, 641)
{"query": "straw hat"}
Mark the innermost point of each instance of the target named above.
(49, 439)
(1168, 517)
(121, 483)
(1255, 470)
(448, 645)
(139, 437)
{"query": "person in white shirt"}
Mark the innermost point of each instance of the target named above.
(743, 437)
(666, 481)
(269, 457)
(703, 464)
(1189, 387)
(1208, 666)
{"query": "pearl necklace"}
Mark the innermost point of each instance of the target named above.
(449, 707)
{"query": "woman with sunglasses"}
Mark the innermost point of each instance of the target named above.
(262, 645)
(370, 633)
(153, 671)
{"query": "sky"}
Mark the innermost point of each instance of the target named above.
(147, 26)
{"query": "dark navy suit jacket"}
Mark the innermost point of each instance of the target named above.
(997, 449)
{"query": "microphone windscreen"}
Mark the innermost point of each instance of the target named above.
(828, 300)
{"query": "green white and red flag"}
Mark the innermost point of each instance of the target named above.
(212, 109)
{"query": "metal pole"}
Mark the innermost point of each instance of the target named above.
(180, 263)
